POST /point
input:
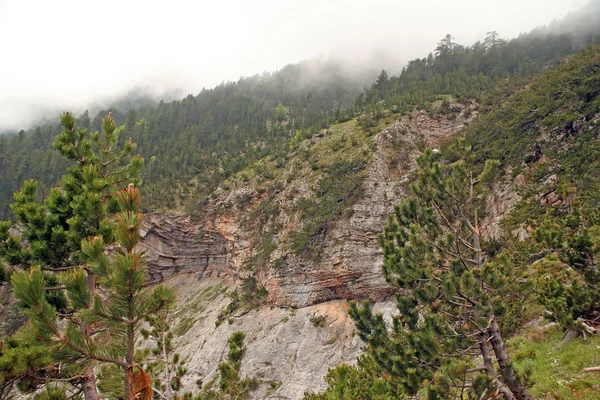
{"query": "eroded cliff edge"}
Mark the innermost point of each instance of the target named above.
(222, 242)
(246, 228)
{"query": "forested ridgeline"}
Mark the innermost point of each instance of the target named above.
(191, 145)
(209, 135)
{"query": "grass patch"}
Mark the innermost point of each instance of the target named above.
(274, 385)
(249, 296)
(555, 368)
(184, 325)
(190, 312)
(318, 321)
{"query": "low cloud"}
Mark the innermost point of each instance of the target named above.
(73, 54)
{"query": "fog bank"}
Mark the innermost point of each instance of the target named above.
(74, 54)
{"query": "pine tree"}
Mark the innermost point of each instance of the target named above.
(52, 392)
(361, 382)
(230, 370)
(104, 333)
(231, 383)
(79, 208)
(280, 113)
(124, 302)
(449, 290)
(382, 83)
(165, 362)
(572, 296)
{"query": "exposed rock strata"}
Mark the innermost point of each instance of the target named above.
(349, 265)
(174, 245)
(283, 345)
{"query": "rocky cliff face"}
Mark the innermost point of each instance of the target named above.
(245, 229)
(349, 263)
(286, 352)
(174, 245)
(284, 348)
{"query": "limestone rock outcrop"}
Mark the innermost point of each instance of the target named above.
(349, 265)
(205, 258)
(174, 245)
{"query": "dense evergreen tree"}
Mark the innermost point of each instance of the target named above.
(551, 139)
(450, 291)
(572, 297)
(365, 381)
(59, 270)
(105, 327)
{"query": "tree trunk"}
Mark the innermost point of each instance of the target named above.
(506, 369)
(90, 391)
(489, 367)
(167, 372)
(129, 389)
(509, 377)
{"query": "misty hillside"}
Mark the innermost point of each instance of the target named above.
(315, 233)
(191, 145)
(217, 132)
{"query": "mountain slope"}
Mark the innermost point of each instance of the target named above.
(250, 228)
(543, 206)
(247, 230)
(279, 238)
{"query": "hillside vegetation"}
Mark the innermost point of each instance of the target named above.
(545, 135)
(493, 299)
(191, 145)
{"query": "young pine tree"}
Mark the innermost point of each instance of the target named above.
(164, 362)
(449, 291)
(231, 383)
(118, 308)
(81, 206)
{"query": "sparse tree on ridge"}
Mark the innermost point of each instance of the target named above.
(492, 40)
(445, 46)
(382, 83)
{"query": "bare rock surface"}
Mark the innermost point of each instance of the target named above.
(283, 346)
(11, 316)
(174, 245)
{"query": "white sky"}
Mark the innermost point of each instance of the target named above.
(71, 53)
